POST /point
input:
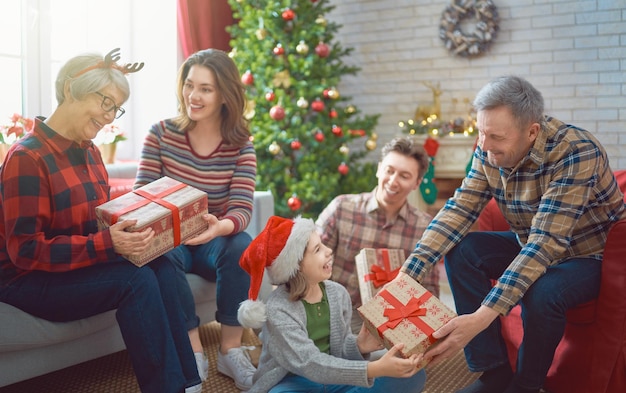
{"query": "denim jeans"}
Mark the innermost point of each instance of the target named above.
(218, 261)
(483, 256)
(148, 313)
(296, 384)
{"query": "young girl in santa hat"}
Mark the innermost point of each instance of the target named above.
(308, 345)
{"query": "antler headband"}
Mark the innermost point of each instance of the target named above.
(110, 61)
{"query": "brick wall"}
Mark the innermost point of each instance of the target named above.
(574, 52)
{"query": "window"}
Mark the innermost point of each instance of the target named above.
(44, 34)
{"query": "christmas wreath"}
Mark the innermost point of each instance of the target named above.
(473, 43)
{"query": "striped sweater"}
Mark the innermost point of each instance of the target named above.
(227, 175)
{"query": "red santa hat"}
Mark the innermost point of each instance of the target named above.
(279, 248)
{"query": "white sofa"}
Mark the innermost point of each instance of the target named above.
(31, 346)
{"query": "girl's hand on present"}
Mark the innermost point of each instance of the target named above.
(457, 332)
(367, 342)
(215, 228)
(130, 243)
(392, 365)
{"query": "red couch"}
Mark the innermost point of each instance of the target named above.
(591, 357)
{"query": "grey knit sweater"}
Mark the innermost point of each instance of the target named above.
(288, 348)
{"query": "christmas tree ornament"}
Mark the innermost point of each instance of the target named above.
(370, 144)
(337, 131)
(302, 48)
(277, 112)
(294, 202)
(318, 105)
(357, 132)
(350, 109)
(247, 78)
(278, 50)
(344, 150)
(322, 50)
(274, 148)
(270, 96)
(319, 136)
(295, 144)
(261, 34)
(333, 93)
(374, 136)
(282, 79)
(302, 103)
(321, 20)
(288, 14)
(332, 113)
(343, 168)
(249, 109)
(325, 93)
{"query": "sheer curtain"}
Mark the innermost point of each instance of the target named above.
(202, 24)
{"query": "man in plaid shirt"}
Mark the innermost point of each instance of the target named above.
(382, 218)
(553, 183)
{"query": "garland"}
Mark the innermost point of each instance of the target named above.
(478, 41)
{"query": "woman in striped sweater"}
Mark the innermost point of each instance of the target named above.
(208, 147)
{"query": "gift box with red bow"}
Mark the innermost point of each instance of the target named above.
(172, 209)
(405, 312)
(375, 267)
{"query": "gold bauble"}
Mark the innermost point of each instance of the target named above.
(261, 34)
(333, 93)
(350, 109)
(249, 110)
(344, 150)
(321, 20)
(302, 103)
(374, 136)
(370, 144)
(302, 48)
(274, 148)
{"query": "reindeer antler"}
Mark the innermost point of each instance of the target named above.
(110, 61)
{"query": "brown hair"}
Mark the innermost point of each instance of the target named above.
(234, 128)
(409, 147)
(297, 287)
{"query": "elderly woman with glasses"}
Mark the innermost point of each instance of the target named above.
(54, 262)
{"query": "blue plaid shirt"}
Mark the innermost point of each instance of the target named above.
(560, 201)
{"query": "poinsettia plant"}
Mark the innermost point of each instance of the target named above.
(16, 129)
(109, 134)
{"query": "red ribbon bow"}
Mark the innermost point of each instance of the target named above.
(380, 276)
(412, 312)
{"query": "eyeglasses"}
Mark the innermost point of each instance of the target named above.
(109, 105)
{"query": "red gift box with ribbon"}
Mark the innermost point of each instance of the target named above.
(172, 209)
(375, 267)
(405, 312)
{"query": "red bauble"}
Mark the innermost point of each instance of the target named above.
(332, 114)
(317, 105)
(278, 50)
(247, 78)
(277, 112)
(294, 203)
(357, 132)
(319, 136)
(270, 96)
(296, 145)
(343, 168)
(322, 50)
(325, 93)
(337, 130)
(288, 14)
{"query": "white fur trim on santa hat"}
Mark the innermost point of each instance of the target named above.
(251, 314)
(287, 263)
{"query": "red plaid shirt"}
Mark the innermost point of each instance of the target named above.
(49, 188)
(354, 221)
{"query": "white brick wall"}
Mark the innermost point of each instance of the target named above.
(573, 51)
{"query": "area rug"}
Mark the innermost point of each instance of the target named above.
(114, 374)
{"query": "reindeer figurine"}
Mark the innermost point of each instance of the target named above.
(424, 111)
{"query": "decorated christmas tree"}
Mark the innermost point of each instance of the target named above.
(310, 141)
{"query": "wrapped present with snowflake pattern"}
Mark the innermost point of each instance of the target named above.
(172, 209)
(405, 312)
